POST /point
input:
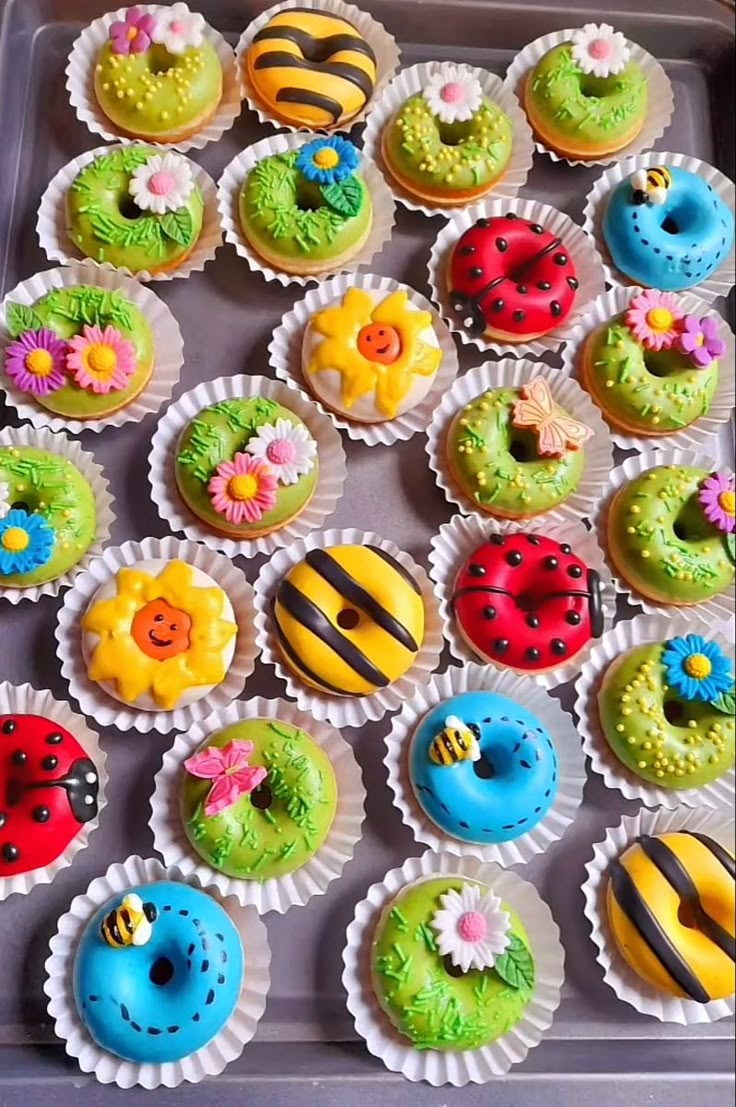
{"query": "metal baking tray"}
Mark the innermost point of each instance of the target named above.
(306, 1050)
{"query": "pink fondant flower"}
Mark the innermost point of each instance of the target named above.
(699, 339)
(102, 361)
(718, 500)
(35, 362)
(243, 489)
(653, 318)
(230, 773)
(132, 35)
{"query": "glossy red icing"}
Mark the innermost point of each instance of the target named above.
(526, 601)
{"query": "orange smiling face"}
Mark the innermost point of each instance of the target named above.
(161, 631)
(380, 342)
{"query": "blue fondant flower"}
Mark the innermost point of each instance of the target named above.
(697, 669)
(26, 542)
(328, 161)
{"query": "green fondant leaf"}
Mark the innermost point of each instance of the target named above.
(21, 319)
(516, 965)
(731, 547)
(178, 226)
(345, 197)
(725, 703)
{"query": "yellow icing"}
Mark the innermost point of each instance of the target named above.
(15, 540)
(118, 658)
(341, 327)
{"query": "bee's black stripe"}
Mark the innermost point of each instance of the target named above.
(313, 48)
(111, 926)
(331, 571)
(644, 922)
(447, 743)
(301, 608)
(127, 921)
(397, 568)
(310, 674)
(312, 99)
(461, 741)
(722, 855)
(280, 59)
(674, 872)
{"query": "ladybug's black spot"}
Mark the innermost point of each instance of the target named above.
(489, 612)
(558, 647)
(20, 757)
(466, 251)
(9, 726)
(483, 223)
(501, 645)
(476, 271)
(574, 618)
(536, 229)
(551, 563)
(498, 305)
(575, 571)
(532, 621)
(533, 539)
(533, 653)
(502, 245)
(574, 283)
(514, 558)
(566, 548)
(556, 309)
(49, 763)
(54, 739)
(544, 285)
(10, 852)
(560, 259)
(519, 316)
(476, 570)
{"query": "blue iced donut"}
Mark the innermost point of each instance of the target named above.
(667, 228)
(158, 972)
(483, 768)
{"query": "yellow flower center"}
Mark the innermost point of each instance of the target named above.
(40, 363)
(727, 502)
(697, 665)
(660, 319)
(326, 158)
(243, 487)
(102, 359)
(15, 540)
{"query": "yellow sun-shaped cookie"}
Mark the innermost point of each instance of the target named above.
(160, 634)
(375, 347)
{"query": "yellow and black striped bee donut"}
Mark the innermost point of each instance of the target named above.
(349, 619)
(310, 68)
(671, 908)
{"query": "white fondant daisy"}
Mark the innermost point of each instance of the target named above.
(177, 28)
(472, 927)
(453, 95)
(4, 499)
(599, 50)
(163, 184)
(288, 449)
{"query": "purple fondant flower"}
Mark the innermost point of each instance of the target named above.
(718, 500)
(132, 35)
(36, 362)
(699, 340)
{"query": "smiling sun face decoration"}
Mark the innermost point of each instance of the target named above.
(165, 637)
(371, 357)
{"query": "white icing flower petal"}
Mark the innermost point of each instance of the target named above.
(4, 499)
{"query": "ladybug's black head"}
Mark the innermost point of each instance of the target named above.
(468, 312)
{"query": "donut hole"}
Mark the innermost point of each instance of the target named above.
(660, 363)
(21, 505)
(670, 224)
(307, 196)
(262, 797)
(675, 713)
(594, 88)
(452, 970)
(160, 60)
(454, 134)
(348, 618)
(523, 447)
(687, 915)
(129, 209)
(483, 768)
(527, 601)
(162, 971)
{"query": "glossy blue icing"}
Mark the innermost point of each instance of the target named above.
(132, 1017)
(645, 251)
(517, 749)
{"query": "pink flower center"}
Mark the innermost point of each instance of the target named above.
(600, 49)
(452, 92)
(281, 452)
(178, 26)
(472, 927)
(161, 184)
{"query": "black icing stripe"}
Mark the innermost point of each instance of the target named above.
(595, 603)
(644, 922)
(478, 588)
(529, 265)
(313, 48)
(397, 568)
(301, 608)
(331, 571)
(311, 99)
(719, 852)
(279, 59)
(674, 872)
(310, 674)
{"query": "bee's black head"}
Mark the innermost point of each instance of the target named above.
(468, 312)
(149, 910)
(475, 729)
(640, 196)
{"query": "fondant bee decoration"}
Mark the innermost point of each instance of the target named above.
(651, 185)
(130, 924)
(458, 741)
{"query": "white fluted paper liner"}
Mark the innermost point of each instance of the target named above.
(579, 245)
(24, 699)
(627, 984)
(93, 473)
(622, 638)
(231, 184)
(285, 355)
(51, 226)
(346, 710)
(720, 282)
(80, 84)
(93, 699)
(616, 302)
(566, 392)
(412, 80)
(281, 893)
(456, 541)
(162, 458)
(168, 346)
(571, 772)
(437, 1067)
(660, 106)
(718, 609)
(211, 1059)
(381, 42)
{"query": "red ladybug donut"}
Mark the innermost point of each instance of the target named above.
(528, 602)
(510, 280)
(48, 791)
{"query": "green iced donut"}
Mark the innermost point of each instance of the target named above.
(499, 467)
(655, 730)
(106, 223)
(228, 449)
(47, 516)
(661, 541)
(427, 998)
(278, 826)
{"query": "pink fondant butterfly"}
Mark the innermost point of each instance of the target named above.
(230, 773)
(556, 431)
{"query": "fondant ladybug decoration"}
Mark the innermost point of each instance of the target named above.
(528, 602)
(48, 791)
(511, 279)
